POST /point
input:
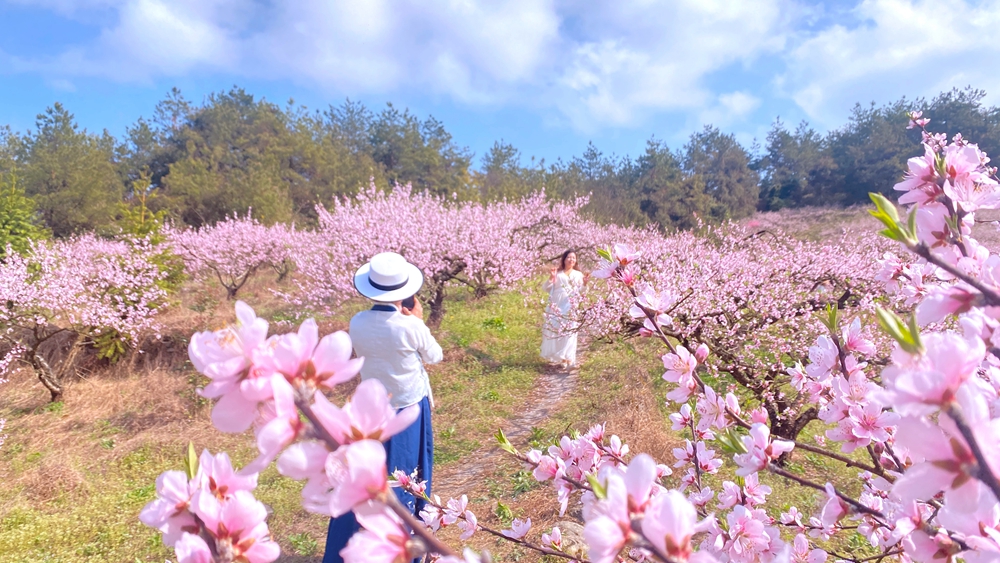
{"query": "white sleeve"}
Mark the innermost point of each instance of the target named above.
(429, 349)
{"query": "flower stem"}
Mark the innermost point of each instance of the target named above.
(983, 472)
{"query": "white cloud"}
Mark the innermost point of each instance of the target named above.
(596, 64)
(152, 38)
(631, 59)
(894, 48)
(473, 51)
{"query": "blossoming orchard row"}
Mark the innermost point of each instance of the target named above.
(755, 349)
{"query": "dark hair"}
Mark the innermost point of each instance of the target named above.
(562, 260)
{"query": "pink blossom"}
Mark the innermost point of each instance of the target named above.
(943, 462)
(802, 554)
(553, 540)
(303, 460)
(701, 353)
(170, 513)
(747, 536)
(730, 495)
(225, 357)
(920, 182)
(681, 419)
(469, 525)
(834, 509)
(217, 476)
(232, 250)
(303, 356)
(431, 515)
(382, 539)
(192, 549)
(519, 528)
(756, 493)
(854, 340)
(872, 424)
(358, 474)
(916, 121)
(454, 510)
(624, 254)
(680, 370)
(940, 303)
(408, 482)
(920, 384)
(761, 450)
(608, 524)
(237, 526)
(605, 539)
(281, 431)
(368, 415)
(670, 523)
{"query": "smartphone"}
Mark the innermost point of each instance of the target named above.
(408, 302)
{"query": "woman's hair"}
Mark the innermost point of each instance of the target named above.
(562, 260)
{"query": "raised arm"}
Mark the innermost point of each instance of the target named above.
(551, 282)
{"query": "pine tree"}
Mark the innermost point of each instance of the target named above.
(18, 217)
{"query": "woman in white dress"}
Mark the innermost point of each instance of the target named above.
(559, 333)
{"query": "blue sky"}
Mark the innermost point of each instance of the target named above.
(545, 75)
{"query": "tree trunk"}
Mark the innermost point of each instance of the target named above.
(44, 372)
(437, 308)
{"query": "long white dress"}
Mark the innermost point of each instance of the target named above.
(559, 332)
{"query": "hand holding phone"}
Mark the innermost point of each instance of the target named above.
(414, 307)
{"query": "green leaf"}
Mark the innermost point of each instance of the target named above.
(599, 491)
(915, 333)
(907, 334)
(505, 444)
(731, 442)
(605, 253)
(191, 461)
(504, 513)
(830, 317)
(894, 229)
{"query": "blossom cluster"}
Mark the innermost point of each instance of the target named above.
(85, 285)
(209, 514)
(930, 421)
(233, 250)
(750, 296)
(482, 246)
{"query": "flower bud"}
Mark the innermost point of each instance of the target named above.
(701, 353)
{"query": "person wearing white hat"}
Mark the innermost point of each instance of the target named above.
(396, 344)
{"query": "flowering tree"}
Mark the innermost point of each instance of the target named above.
(750, 296)
(100, 290)
(234, 250)
(482, 246)
(920, 425)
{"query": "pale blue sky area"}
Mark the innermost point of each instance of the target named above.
(546, 76)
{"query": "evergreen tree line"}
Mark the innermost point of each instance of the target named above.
(235, 153)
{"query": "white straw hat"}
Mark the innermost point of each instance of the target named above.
(387, 278)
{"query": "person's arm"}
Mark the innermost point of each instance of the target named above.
(427, 346)
(551, 282)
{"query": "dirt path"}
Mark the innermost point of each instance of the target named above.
(554, 384)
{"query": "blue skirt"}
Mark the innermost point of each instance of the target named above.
(411, 449)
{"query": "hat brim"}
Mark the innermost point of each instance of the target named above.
(414, 281)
